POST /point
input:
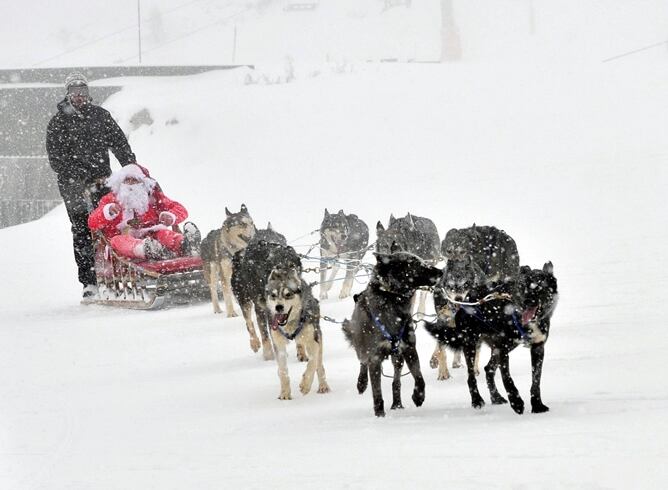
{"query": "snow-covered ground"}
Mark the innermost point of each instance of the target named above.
(572, 163)
(565, 153)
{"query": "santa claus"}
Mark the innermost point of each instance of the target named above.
(138, 219)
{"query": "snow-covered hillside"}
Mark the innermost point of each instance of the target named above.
(570, 163)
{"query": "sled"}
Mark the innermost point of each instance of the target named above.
(143, 284)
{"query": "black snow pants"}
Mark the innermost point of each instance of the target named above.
(80, 199)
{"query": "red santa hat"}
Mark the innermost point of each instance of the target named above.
(132, 171)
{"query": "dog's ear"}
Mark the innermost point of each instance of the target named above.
(392, 219)
(341, 212)
(382, 258)
(293, 275)
(269, 226)
(243, 209)
(395, 247)
(379, 228)
(411, 224)
(227, 211)
(548, 268)
(326, 213)
(525, 269)
(473, 227)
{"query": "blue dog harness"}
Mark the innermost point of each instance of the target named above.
(475, 312)
(394, 341)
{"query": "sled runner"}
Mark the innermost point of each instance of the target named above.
(145, 284)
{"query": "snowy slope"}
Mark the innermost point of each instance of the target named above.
(570, 162)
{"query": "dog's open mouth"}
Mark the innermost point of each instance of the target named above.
(529, 314)
(244, 238)
(280, 319)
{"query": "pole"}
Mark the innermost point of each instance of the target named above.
(234, 46)
(139, 27)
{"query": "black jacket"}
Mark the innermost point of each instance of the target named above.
(78, 143)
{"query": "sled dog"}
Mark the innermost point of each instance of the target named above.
(295, 315)
(217, 250)
(412, 234)
(503, 323)
(490, 257)
(381, 325)
(250, 270)
(344, 238)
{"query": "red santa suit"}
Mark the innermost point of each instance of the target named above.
(145, 212)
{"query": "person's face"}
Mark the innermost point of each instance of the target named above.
(78, 96)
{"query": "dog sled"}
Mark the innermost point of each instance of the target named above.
(145, 284)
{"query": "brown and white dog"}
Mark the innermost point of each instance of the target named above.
(217, 250)
(295, 315)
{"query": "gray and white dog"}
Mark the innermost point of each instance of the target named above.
(493, 251)
(382, 326)
(217, 250)
(343, 239)
(295, 315)
(412, 234)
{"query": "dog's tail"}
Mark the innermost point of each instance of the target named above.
(436, 329)
(347, 332)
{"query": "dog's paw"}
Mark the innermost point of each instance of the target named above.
(476, 371)
(267, 353)
(304, 387)
(538, 407)
(285, 396)
(418, 398)
(232, 314)
(379, 412)
(517, 404)
(498, 399)
(343, 295)
(217, 310)
(478, 402)
(433, 362)
(397, 406)
(255, 344)
(458, 364)
(301, 354)
(324, 388)
(323, 295)
(443, 375)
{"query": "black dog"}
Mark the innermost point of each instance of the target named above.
(250, 271)
(343, 237)
(381, 324)
(503, 324)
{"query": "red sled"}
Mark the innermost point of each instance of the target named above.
(144, 284)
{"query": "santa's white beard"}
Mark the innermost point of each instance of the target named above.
(134, 200)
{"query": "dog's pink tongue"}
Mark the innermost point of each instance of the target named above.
(277, 320)
(528, 314)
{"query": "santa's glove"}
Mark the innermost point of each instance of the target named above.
(166, 218)
(111, 210)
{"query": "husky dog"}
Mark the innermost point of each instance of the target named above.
(295, 314)
(490, 256)
(250, 270)
(344, 237)
(493, 252)
(503, 324)
(412, 234)
(381, 324)
(217, 250)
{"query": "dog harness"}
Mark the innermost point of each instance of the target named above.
(475, 312)
(394, 341)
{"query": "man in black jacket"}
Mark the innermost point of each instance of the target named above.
(78, 140)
